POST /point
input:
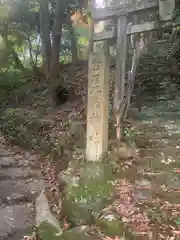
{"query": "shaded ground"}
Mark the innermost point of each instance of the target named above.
(157, 179)
(158, 167)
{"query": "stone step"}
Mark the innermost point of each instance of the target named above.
(14, 191)
(15, 221)
(153, 63)
(19, 187)
(6, 160)
(4, 152)
(151, 55)
(163, 118)
(149, 187)
(144, 61)
(153, 73)
(149, 69)
(18, 198)
(17, 173)
(161, 153)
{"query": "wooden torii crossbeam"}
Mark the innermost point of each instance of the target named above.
(108, 17)
(115, 23)
(116, 10)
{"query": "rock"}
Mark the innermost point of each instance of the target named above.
(99, 171)
(46, 231)
(46, 223)
(12, 173)
(15, 219)
(111, 225)
(70, 176)
(11, 189)
(4, 152)
(79, 229)
(5, 160)
(18, 172)
(143, 141)
(124, 151)
(76, 128)
(77, 233)
(77, 211)
(84, 201)
(79, 154)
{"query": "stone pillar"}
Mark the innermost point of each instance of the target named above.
(98, 105)
(166, 9)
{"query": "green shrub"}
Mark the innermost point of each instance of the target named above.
(175, 43)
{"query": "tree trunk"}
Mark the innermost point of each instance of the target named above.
(9, 48)
(30, 52)
(73, 40)
(17, 61)
(45, 35)
(36, 56)
(91, 33)
(79, 52)
(56, 35)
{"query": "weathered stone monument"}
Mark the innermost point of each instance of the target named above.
(98, 102)
(117, 19)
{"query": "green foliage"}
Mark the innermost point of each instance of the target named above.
(4, 12)
(46, 232)
(175, 47)
(20, 41)
(84, 200)
(10, 81)
(19, 27)
(175, 39)
(21, 127)
(81, 36)
(12, 113)
(65, 44)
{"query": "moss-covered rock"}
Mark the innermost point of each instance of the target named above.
(76, 233)
(123, 150)
(70, 176)
(47, 225)
(85, 200)
(111, 225)
(46, 231)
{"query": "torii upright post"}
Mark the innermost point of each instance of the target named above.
(166, 9)
(121, 54)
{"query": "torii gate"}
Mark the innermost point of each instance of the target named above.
(119, 19)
